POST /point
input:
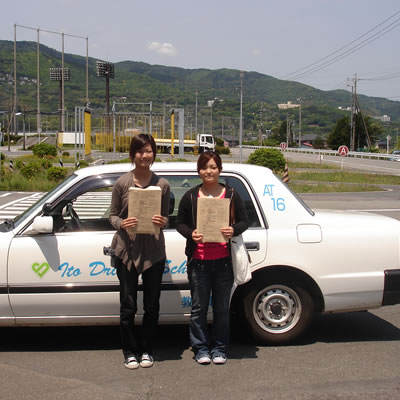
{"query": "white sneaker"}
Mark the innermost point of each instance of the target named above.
(131, 362)
(219, 360)
(203, 360)
(146, 361)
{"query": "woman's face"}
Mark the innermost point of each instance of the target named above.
(210, 173)
(144, 157)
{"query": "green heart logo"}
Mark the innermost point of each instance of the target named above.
(40, 269)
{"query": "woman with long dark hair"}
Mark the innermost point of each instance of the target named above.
(144, 255)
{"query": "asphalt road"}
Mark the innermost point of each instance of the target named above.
(343, 356)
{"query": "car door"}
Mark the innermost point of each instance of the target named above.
(65, 273)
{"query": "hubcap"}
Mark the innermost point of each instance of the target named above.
(277, 309)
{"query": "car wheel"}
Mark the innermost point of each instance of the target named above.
(277, 313)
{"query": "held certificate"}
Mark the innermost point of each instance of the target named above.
(143, 204)
(212, 215)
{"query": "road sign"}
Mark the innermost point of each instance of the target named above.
(283, 146)
(343, 150)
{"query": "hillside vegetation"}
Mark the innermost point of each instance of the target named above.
(169, 87)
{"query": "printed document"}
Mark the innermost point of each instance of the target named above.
(212, 215)
(143, 204)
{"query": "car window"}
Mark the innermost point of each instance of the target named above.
(86, 207)
(181, 184)
(237, 184)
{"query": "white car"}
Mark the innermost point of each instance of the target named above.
(395, 156)
(53, 270)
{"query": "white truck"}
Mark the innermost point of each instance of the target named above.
(203, 142)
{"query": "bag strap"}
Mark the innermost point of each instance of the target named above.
(232, 216)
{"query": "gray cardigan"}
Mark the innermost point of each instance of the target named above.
(144, 250)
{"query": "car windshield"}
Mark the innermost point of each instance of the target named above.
(38, 205)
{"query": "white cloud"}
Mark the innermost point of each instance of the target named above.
(166, 49)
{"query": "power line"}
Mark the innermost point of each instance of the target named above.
(330, 59)
(350, 51)
(383, 78)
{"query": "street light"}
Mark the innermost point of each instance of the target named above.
(57, 74)
(106, 70)
(241, 116)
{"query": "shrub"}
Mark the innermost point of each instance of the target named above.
(219, 141)
(45, 163)
(2, 156)
(270, 158)
(43, 149)
(57, 173)
(222, 150)
(65, 154)
(31, 169)
(18, 163)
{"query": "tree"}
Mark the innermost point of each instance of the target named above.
(319, 143)
(279, 133)
(341, 132)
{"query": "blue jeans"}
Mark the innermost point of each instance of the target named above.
(207, 277)
(132, 342)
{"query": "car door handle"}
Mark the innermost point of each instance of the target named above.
(252, 246)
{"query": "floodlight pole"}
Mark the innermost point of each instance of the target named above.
(87, 72)
(15, 86)
(38, 122)
(107, 73)
(62, 128)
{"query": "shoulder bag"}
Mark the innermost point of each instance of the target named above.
(240, 256)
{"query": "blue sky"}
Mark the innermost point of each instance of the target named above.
(275, 38)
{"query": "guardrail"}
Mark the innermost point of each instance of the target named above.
(355, 154)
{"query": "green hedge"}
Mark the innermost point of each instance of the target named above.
(270, 158)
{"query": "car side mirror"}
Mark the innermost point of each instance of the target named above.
(46, 209)
(41, 224)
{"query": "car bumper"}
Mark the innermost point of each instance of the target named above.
(391, 291)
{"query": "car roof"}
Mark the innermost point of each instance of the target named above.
(160, 167)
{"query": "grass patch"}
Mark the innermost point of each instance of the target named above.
(345, 177)
(38, 183)
(295, 164)
(329, 188)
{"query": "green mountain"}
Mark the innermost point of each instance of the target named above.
(140, 83)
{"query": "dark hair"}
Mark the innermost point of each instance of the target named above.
(139, 141)
(206, 157)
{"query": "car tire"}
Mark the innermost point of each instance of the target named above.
(277, 313)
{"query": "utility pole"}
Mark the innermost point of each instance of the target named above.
(299, 123)
(195, 123)
(355, 110)
(241, 117)
(353, 113)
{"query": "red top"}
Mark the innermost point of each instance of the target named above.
(211, 251)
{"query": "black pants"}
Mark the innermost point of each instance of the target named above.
(133, 343)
